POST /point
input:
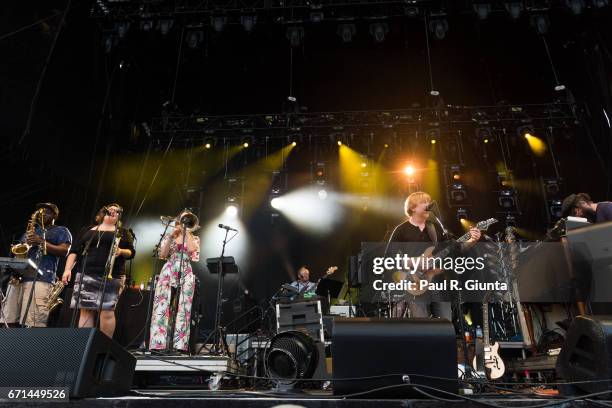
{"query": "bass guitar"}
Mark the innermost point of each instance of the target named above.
(423, 272)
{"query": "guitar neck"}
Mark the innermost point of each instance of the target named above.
(485, 323)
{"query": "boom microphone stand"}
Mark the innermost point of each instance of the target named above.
(80, 283)
(219, 346)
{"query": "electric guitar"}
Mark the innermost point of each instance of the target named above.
(428, 274)
(494, 365)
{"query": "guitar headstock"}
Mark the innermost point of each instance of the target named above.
(331, 270)
(484, 225)
(510, 235)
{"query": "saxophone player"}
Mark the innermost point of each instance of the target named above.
(99, 241)
(44, 243)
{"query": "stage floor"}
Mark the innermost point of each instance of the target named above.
(245, 399)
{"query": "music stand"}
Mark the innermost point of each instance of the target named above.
(27, 269)
(329, 288)
(221, 266)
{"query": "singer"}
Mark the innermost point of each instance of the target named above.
(91, 248)
(176, 274)
(419, 228)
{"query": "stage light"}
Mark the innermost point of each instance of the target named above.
(246, 141)
(484, 135)
(164, 26)
(364, 165)
(316, 16)
(218, 23)
(248, 22)
(458, 194)
(386, 145)
(455, 172)
(146, 25)
(551, 186)
(339, 142)
(231, 210)
(346, 32)
(322, 194)
(439, 28)
(122, 28)
(275, 203)
(600, 3)
(319, 173)
(294, 144)
(514, 8)
(208, 145)
(506, 200)
(194, 38)
(462, 215)
(433, 135)
(295, 35)
(378, 31)
(540, 22)
(554, 207)
(209, 142)
(510, 220)
(576, 6)
(482, 10)
(109, 41)
(524, 130)
(536, 144)
(409, 170)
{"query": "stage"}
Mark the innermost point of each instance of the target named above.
(242, 399)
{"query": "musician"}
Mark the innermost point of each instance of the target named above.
(57, 241)
(98, 241)
(176, 273)
(419, 228)
(303, 283)
(581, 205)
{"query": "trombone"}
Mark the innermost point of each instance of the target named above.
(186, 218)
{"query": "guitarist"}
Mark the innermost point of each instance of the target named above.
(419, 229)
(303, 283)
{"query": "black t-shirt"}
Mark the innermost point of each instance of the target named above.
(97, 254)
(603, 212)
(408, 232)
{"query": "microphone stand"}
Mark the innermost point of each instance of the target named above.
(219, 347)
(80, 283)
(154, 278)
(39, 253)
(179, 290)
(108, 270)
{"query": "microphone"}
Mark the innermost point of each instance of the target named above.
(227, 227)
(430, 206)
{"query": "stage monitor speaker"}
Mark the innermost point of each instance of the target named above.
(587, 355)
(84, 360)
(370, 347)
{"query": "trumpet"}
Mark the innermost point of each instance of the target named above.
(186, 218)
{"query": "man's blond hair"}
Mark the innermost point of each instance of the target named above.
(415, 199)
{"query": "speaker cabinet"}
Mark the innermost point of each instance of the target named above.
(84, 360)
(370, 347)
(587, 355)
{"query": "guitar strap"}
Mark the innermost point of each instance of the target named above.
(431, 231)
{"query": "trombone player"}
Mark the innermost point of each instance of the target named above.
(171, 316)
(44, 243)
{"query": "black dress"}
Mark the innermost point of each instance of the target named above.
(93, 282)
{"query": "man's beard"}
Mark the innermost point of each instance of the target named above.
(589, 214)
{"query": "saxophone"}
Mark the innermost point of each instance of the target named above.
(54, 299)
(21, 250)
